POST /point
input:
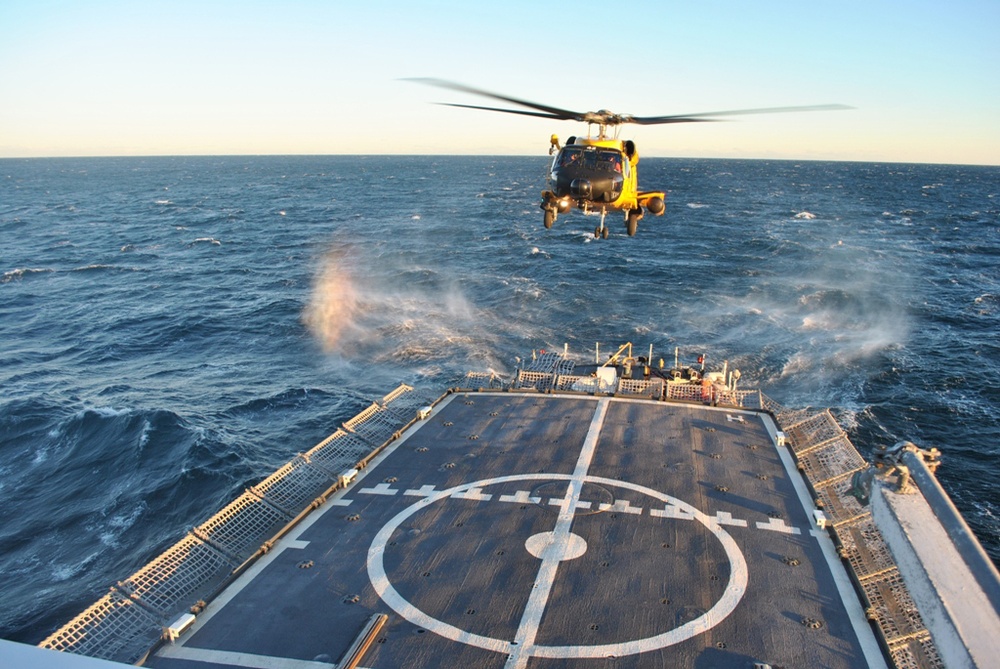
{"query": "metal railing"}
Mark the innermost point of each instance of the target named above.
(830, 464)
(543, 378)
(125, 624)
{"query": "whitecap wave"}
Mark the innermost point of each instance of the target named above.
(535, 251)
(67, 571)
(21, 273)
(103, 412)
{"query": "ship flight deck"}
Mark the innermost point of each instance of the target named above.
(607, 515)
(524, 530)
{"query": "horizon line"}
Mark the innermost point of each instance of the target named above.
(470, 155)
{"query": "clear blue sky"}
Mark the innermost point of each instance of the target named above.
(109, 77)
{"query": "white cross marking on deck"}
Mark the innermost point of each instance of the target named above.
(563, 501)
(424, 491)
(527, 630)
(726, 518)
(621, 506)
(380, 489)
(475, 494)
(671, 511)
(521, 497)
(777, 525)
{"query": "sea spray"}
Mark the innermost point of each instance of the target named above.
(396, 314)
(332, 311)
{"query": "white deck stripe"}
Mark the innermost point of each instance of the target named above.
(527, 630)
(231, 659)
(862, 630)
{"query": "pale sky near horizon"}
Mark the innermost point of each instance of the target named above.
(110, 77)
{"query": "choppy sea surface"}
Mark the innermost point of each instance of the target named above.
(174, 329)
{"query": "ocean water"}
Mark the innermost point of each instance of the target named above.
(174, 329)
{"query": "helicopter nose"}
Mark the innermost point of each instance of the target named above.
(581, 188)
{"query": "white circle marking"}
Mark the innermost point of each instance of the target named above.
(735, 589)
(545, 546)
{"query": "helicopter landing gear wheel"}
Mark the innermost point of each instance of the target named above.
(632, 223)
(601, 230)
(549, 218)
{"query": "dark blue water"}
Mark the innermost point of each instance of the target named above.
(173, 329)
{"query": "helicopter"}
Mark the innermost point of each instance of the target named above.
(598, 174)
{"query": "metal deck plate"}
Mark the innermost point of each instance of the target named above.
(524, 530)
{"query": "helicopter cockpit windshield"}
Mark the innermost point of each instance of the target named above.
(603, 161)
(571, 155)
(610, 160)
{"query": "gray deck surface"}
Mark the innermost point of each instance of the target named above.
(524, 530)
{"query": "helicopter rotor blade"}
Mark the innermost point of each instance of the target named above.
(550, 112)
(707, 116)
(604, 117)
(523, 112)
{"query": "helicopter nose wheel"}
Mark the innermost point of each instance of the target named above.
(602, 230)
